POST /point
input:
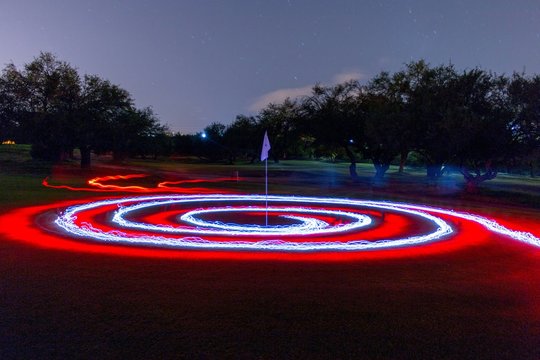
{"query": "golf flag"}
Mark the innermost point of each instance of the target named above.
(265, 147)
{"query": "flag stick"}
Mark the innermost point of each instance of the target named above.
(266, 186)
(264, 156)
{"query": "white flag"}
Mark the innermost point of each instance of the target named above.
(265, 147)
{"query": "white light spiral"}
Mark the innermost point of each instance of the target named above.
(197, 235)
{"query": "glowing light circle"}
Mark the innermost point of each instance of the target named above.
(307, 226)
(395, 228)
(196, 236)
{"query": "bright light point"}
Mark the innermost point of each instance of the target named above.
(203, 135)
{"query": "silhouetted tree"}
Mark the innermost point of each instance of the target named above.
(48, 96)
(106, 119)
(145, 135)
(427, 95)
(479, 117)
(331, 116)
(241, 138)
(210, 145)
(385, 129)
(183, 144)
(48, 101)
(281, 122)
(525, 122)
(11, 108)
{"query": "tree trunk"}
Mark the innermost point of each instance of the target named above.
(85, 156)
(380, 169)
(471, 187)
(352, 170)
(434, 171)
(472, 181)
(402, 160)
(352, 166)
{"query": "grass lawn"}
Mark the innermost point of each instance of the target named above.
(479, 302)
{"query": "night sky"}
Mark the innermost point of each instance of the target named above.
(198, 62)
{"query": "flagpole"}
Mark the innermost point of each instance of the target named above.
(264, 156)
(266, 186)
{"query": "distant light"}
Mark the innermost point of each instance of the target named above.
(203, 135)
(8, 142)
(351, 141)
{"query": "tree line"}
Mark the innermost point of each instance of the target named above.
(472, 121)
(50, 105)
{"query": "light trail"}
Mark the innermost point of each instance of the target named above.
(230, 226)
(67, 222)
(98, 184)
(308, 226)
(275, 236)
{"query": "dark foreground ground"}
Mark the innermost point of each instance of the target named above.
(477, 303)
(480, 302)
